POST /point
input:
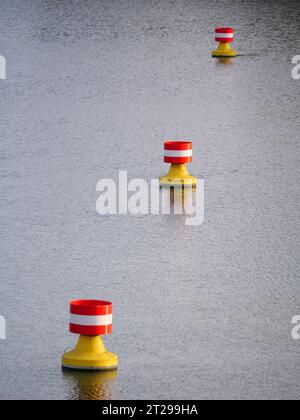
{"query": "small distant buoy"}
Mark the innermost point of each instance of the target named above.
(224, 36)
(178, 153)
(90, 319)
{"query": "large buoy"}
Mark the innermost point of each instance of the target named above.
(225, 36)
(91, 319)
(178, 154)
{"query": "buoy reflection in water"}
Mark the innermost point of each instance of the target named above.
(91, 385)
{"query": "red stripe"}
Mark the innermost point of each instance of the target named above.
(90, 307)
(224, 39)
(90, 330)
(224, 30)
(178, 160)
(178, 145)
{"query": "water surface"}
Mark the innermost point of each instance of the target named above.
(95, 87)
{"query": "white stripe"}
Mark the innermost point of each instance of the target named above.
(224, 35)
(89, 321)
(178, 153)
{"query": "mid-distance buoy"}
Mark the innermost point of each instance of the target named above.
(90, 319)
(224, 36)
(178, 153)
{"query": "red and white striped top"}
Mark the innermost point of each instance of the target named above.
(224, 34)
(90, 317)
(178, 152)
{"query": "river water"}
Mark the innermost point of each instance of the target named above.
(94, 87)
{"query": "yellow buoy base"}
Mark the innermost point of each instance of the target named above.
(90, 354)
(224, 50)
(178, 176)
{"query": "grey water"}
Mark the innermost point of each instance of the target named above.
(94, 87)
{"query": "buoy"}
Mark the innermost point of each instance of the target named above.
(178, 153)
(224, 36)
(90, 319)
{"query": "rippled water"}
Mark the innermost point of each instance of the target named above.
(96, 86)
